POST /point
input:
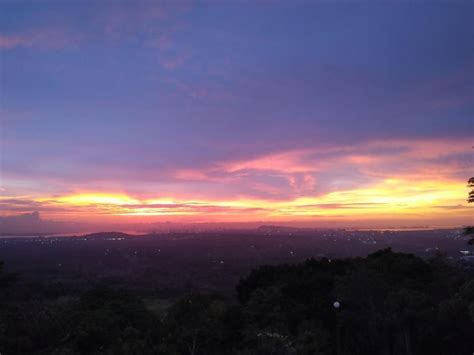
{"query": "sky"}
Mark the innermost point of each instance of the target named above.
(322, 112)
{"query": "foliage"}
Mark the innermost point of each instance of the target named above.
(470, 183)
(195, 325)
(390, 303)
(470, 230)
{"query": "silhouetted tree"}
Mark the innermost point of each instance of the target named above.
(470, 199)
(7, 280)
(10, 317)
(471, 193)
(101, 321)
(194, 325)
(389, 305)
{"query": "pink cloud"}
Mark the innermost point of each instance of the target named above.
(12, 41)
(313, 171)
(151, 23)
(304, 184)
(53, 37)
(173, 61)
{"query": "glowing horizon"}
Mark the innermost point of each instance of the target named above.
(349, 113)
(409, 196)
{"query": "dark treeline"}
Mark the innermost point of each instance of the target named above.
(390, 303)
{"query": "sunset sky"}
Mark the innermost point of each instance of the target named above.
(230, 111)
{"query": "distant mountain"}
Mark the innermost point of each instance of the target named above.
(271, 228)
(275, 229)
(105, 235)
(32, 224)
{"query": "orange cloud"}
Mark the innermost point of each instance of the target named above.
(392, 198)
(404, 179)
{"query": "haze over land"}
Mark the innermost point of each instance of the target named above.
(303, 113)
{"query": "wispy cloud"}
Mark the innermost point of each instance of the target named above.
(46, 37)
(151, 24)
(377, 179)
(12, 41)
(320, 169)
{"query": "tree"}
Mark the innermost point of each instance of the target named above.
(470, 184)
(389, 305)
(7, 280)
(10, 318)
(194, 325)
(470, 230)
(102, 321)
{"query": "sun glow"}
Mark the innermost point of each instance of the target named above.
(94, 199)
(388, 198)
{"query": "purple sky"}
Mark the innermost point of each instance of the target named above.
(237, 110)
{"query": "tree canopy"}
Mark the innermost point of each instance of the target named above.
(389, 303)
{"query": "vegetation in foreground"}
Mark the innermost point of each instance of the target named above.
(390, 303)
